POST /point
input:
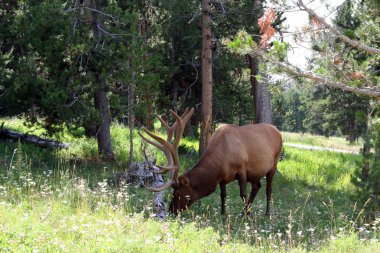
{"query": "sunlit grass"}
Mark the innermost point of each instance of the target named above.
(321, 141)
(319, 168)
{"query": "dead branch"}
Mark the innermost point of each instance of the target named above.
(141, 174)
(6, 134)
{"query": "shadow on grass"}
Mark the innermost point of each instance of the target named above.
(38, 160)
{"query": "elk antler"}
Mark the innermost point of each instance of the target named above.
(170, 149)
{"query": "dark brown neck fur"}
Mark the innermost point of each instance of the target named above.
(203, 178)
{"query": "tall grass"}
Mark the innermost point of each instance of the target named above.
(322, 141)
(60, 201)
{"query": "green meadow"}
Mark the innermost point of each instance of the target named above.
(62, 201)
(322, 141)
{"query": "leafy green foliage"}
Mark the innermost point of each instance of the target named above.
(331, 112)
(242, 44)
(54, 57)
(280, 50)
(289, 110)
(232, 99)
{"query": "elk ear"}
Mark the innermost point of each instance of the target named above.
(184, 180)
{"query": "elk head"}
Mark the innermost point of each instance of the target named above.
(183, 194)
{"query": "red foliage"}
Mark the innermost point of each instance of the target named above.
(317, 25)
(357, 75)
(266, 29)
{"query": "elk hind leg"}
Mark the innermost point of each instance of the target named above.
(269, 178)
(223, 197)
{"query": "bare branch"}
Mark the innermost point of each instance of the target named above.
(112, 35)
(90, 9)
(343, 37)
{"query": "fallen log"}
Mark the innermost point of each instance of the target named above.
(141, 174)
(6, 134)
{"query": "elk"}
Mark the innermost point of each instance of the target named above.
(244, 153)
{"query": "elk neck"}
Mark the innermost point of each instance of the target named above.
(204, 177)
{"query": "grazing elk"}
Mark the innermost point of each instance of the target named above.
(245, 153)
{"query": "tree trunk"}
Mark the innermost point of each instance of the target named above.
(149, 117)
(131, 115)
(90, 129)
(104, 126)
(366, 151)
(376, 174)
(260, 92)
(149, 112)
(188, 131)
(254, 70)
(100, 95)
(263, 110)
(206, 123)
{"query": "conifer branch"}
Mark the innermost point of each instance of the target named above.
(353, 43)
(294, 71)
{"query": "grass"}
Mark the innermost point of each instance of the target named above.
(321, 141)
(61, 202)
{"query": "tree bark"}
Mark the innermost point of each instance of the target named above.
(149, 112)
(100, 94)
(104, 126)
(131, 114)
(366, 151)
(143, 28)
(206, 123)
(260, 93)
(254, 70)
(262, 97)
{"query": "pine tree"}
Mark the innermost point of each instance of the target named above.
(367, 176)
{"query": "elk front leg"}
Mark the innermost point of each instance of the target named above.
(223, 197)
(255, 189)
(242, 178)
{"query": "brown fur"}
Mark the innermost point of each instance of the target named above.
(246, 153)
